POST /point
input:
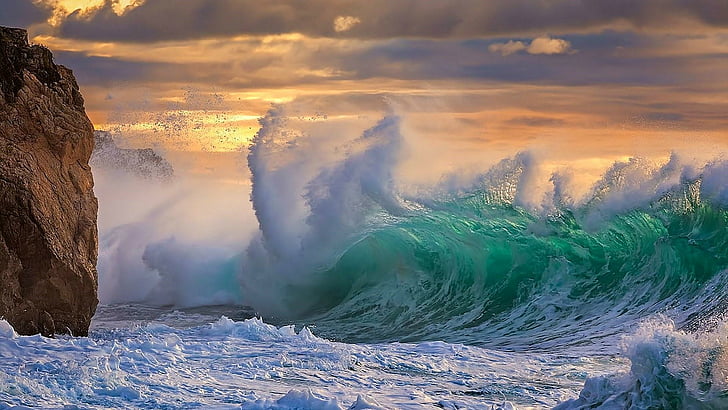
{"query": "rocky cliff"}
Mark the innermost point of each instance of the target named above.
(48, 234)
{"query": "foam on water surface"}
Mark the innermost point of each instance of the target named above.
(250, 364)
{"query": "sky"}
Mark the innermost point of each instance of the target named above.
(474, 80)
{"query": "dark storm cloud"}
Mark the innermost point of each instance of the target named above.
(598, 62)
(157, 20)
(93, 70)
(22, 13)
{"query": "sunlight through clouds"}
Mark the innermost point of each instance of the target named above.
(119, 6)
(62, 8)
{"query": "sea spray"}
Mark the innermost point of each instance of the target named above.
(670, 369)
(307, 210)
(170, 242)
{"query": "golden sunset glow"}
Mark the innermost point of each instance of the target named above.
(64, 7)
(198, 75)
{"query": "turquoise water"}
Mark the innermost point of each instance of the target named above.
(476, 270)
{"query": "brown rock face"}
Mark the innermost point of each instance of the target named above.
(48, 234)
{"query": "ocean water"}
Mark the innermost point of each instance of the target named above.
(173, 361)
(348, 291)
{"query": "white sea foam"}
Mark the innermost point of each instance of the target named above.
(307, 208)
(250, 364)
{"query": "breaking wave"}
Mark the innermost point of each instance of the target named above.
(343, 246)
(485, 264)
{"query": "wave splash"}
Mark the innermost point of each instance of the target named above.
(510, 258)
(670, 369)
(493, 262)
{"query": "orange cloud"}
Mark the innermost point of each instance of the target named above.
(345, 23)
(548, 45)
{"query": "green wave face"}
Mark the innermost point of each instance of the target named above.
(477, 270)
(340, 249)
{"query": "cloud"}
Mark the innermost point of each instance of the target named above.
(539, 45)
(296, 61)
(547, 45)
(506, 49)
(22, 13)
(198, 19)
(93, 70)
(345, 23)
(194, 19)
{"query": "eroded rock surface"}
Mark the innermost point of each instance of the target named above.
(48, 234)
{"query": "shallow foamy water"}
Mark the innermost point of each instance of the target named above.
(167, 359)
